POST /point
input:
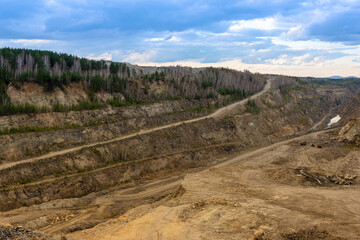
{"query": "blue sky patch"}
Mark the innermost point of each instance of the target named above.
(304, 38)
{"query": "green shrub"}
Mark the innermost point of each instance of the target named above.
(11, 109)
(251, 107)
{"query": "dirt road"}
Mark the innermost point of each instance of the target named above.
(257, 193)
(218, 113)
(261, 190)
(316, 125)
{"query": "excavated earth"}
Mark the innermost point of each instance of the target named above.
(287, 190)
(234, 176)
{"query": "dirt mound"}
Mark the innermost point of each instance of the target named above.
(310, 178)
(287, 176)
(178, 193)
(350, 133)
(310, 234)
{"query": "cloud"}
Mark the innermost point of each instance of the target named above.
(104, 56)
(32, 42)
(304, 60)
(266, 24)
(310, 44)
(339, 66)
(170, 38)
(154, 39)
(295, 33)
(273, 35)
(173, 39)
(139, 58)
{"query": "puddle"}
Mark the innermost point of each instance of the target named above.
(334, 120)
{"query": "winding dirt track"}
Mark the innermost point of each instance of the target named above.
(157, 187)
(248, 198)
(218, 113)
(322, 120)
(148, 190)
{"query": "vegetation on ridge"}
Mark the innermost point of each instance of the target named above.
(136, 84)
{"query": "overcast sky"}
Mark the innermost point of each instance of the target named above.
(303, 38)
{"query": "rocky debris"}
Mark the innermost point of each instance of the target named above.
(313, 178)
(20, 233)
(52, 219)
(259, 234)
(310, 234)
(312, 145)
(350, 133)
(343, 179)
(199, 205)
(320, 179)
(340, 179)
(305, 177)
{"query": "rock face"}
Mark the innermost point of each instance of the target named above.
(350, 133)
(34, 94)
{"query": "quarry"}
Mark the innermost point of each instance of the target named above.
(105, 150)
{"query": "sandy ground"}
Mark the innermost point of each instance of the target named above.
(257, 195)
(283, 191)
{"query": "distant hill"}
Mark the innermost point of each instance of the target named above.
(340, 77)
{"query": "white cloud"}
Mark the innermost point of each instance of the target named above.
(297, 32)
(104, 56)
(310, 44)
(171, 38)
(174, 39)
(304, 60)
(32, 42)
(269, 23)
(139, 58)
(154, 39)
(342, 66)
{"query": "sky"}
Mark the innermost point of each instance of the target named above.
(319, 38)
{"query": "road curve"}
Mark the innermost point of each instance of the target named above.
(218, 113)
(316, 125)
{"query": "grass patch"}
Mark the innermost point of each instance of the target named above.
(309, 99)
(29, 129)
(286, 90)
(303, 121)
(77, 107)
(273, 106)
(25, 181)
(300, 108)
(228, 118)
(11, 109)
(197, 110)
(96, 151)
(33, 129)
(251, 107)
